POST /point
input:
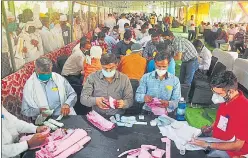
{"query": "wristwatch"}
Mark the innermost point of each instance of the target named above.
(208, 146)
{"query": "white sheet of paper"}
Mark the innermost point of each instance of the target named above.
(59, 118)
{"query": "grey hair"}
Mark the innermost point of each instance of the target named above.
(43, 64)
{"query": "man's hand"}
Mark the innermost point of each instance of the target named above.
(42, 110)
(100, 104)
(37, 140)
(41, 129)
(65, 110)
(199, 143)
(148, 98)
(206, 129)
(164, 103)
(120, 104)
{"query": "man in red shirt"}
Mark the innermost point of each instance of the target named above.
(231, 120)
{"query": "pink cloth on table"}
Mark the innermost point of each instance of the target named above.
(154, 105)
(158, 153)
(143, 152)
(99, 121)
(26, 138)
(66, 146)
(168, 146)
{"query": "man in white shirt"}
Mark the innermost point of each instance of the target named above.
(121, 24)
(204, 58)
(73, 67)
(191, 31)
(11, 128)
(48, 41)
(160, 19)
(110, 22)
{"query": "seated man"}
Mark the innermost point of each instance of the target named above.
(128, 65)
(107, 82)
(46, 90)
(111, 42)
(100, 41)
(172, 65)
(231, 120)
(238, 41)
(124, 47)
(204, 58)
(12, 127)
(151, 46)
(159, 84)
(73, 67)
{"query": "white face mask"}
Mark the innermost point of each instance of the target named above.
(161, 72)
(108, 74)
(217, 99)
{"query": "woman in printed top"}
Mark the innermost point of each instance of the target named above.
(100, 42)
(92, 63)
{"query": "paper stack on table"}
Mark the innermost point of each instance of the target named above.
(181, 133)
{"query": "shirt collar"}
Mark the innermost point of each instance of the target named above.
(117, 75)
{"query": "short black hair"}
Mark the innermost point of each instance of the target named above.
(163, 55)
(83, 42)
(143, 27)
(226, 80)
(155, 34)
(168, 33)
(127, 35)
(101, 35)
(197, 43)
(108, 59)
(151, 31)
(105, 29)
(126, 24)
(161, 46)
(109, 14)
(116, 27)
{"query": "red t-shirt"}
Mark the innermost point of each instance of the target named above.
(236, 111)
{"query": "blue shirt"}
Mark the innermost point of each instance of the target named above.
(53, 99)
(171, 68)
(167, 89)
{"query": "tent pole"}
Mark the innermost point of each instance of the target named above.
(12, 58)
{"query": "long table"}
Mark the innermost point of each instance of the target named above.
(112, 143)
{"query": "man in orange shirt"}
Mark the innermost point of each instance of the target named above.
(134, 66)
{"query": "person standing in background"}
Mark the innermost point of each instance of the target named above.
(77, 29)
(110, 22)
(191, 25)
(66, 33)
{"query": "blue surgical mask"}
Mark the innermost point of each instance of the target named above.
(12, 27)
(51, 26)
(44, 77)
(108, 74)
(126, 29)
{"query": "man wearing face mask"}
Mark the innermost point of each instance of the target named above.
(185, 51)
(110, 41)
(46, 90)
(231, 120)
(100, 85)
(150, 48)
(101, 42)
(159, 84)
(66, 32)
(124, 47)
(73, 68)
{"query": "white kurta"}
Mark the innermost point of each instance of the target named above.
(57, 35)
(12, 127)
(33, 52)
(48, 41)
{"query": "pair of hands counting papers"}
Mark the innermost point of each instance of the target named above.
(155, 107)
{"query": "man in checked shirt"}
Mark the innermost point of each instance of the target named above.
(185, 51)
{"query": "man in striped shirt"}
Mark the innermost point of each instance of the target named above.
(185, 51)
